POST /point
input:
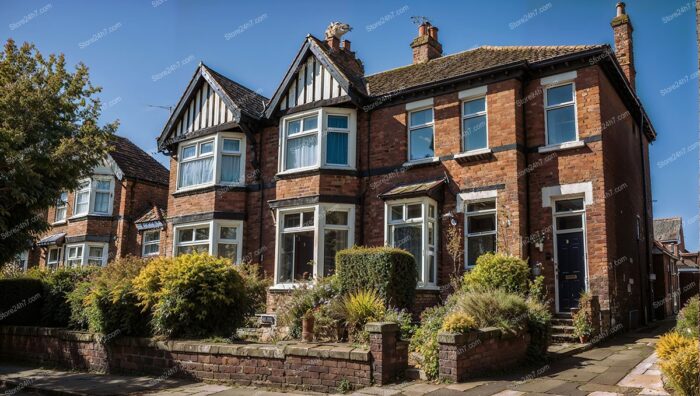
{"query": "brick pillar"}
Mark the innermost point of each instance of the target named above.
(389, 353)
(453, 348)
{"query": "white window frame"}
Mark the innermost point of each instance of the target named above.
(213, 241)
(155, 242)
(559, 106)
(474, 115)
(321, 140)
(217, 152)
(556, 232)
(22, 260)
(426, 248)
(467, 234)
(61, 205)
(79, 256)
(318, 229)
(59, 257)
(91, 189)
(410, 128)
(84, 256)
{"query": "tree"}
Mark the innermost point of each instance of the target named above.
(49, 139)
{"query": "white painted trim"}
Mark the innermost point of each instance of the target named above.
(561, 146)
(419, 104)
(560, 106)
(472, 92)
(473, 153)
(558, 78)
(463, 198)
(430, 160)
(555, 238)
(549, 194)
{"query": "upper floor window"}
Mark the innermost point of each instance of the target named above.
(421, 134)
(321, 138)
(61, 207)
(412, 225)
(479, 230)
(94, 196)
(560, 114)
(474, 127)
(219, 159)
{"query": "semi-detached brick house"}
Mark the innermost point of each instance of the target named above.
(537, 151)
(101, 220)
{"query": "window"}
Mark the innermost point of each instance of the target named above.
(300, 258)
(205, 162)
(53, 257)
(103, 190)
(420, 134)
(151, 243)
(82, 198)
(321, 138)
(94, 196)
(560, 114)
(568, 215)
(74, 256)
(85, 254)
(474, 125)
(22, 260)
(96, 254)
(480, 230)
(219, 238)
(61, 207)
(412, 226)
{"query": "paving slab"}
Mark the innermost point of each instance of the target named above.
(375, 390)
(420, 389)
(465, 386)
(539, 385)
(568, 389)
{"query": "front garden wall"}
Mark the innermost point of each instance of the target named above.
(315, 367)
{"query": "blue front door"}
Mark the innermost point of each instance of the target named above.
(572, 269)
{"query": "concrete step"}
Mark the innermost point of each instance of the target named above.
(564, 337)
(559, 329)
(562, 322)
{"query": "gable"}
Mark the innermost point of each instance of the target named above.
(205, 109)
(312, 82)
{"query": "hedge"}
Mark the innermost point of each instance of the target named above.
(390, 271)
(21, 300)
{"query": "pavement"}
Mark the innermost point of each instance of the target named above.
(624, 365)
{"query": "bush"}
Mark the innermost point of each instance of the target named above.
(329, 321)
(680, 368)
(459, 322)
(424, 341)
(304, 298)
(498, 271)
(58, 284)
(404, 319)
(539, 325)
(111, 304)
(670, 343)
(192, 295)
(76, 299)
(255, 284)
(361, 307)
(496, 308)
(20, 301)
(390, 271)
(687, 321)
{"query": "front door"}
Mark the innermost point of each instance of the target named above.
(570, 245)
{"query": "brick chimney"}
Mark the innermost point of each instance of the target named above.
(333, 42)
(426, 46)
(622, 30)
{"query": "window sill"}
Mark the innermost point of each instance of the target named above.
(288, 286)
(473, 153)
(87, 215)
(428, 288)
(59, 223)
(561, 146)
(316, 170)
(207, 188)
(423, 161)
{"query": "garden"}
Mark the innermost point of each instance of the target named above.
(679, 352)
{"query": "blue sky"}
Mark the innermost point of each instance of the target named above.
(144, 52)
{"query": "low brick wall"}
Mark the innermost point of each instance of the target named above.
(315, 367)
(465, 355)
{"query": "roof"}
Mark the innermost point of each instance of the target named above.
(350, 66)
(688, 265)
(136, 163)
(153, 218)
(250, 102)
(668, 229)
(462, 63)
(55, 239)
(413, 190)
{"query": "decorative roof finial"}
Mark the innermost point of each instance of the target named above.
(337, 30)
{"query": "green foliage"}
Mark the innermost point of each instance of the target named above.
(361, 307)
(255, 284)
(498, 271)
(459, 322)
(583, 325)
(304, 298)
(404, 319)
(687, 321)
(50, 137)
(76, 299)
(539, 325)
(329, 320)
(538, 290)
(680, 367)
(20, 301)
(670, 343)
(494, 308)
(424, 341)
(58, 284)
(192, 295)
(344, 386)
(390, 271)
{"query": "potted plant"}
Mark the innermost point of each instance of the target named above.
(307, 326)
(583, 325)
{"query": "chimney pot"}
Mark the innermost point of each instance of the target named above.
(426, 45)
(433, 32)
(423, 29)
(620, 8)
(333, 42)
(346, 45)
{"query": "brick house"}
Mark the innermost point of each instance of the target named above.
(536, 151)
(98, 222)
(679, 275)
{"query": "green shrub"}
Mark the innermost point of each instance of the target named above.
(255, 284)
(304, 298)
(361, 307)
(538, 290)
(329, 320)
(687, 321)
(390, 271)
(58, 284)
(76, 299)
(680, 368)
(459, 322)
(404, 319)
(670, 343)
(21, 301)
(424, 341)
(192, 295)
(498, 271)
(497, 308)
(539, 325)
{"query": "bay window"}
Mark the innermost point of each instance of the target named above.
(61, 207)
(560, 114)
(474, 125)
(218, 159)
(412, 226)
(480, 229)
(222, 238)
(78, 255)
(320, 138)
(93, 197)
(151, 243)
(421, 134)
(308, 238)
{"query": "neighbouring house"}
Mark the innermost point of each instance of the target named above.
(680, 274)
(535, 151)
(101, 220)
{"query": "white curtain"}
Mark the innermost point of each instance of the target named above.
(301, 152)
(102, 202)
(230, 168)
(196, 172)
